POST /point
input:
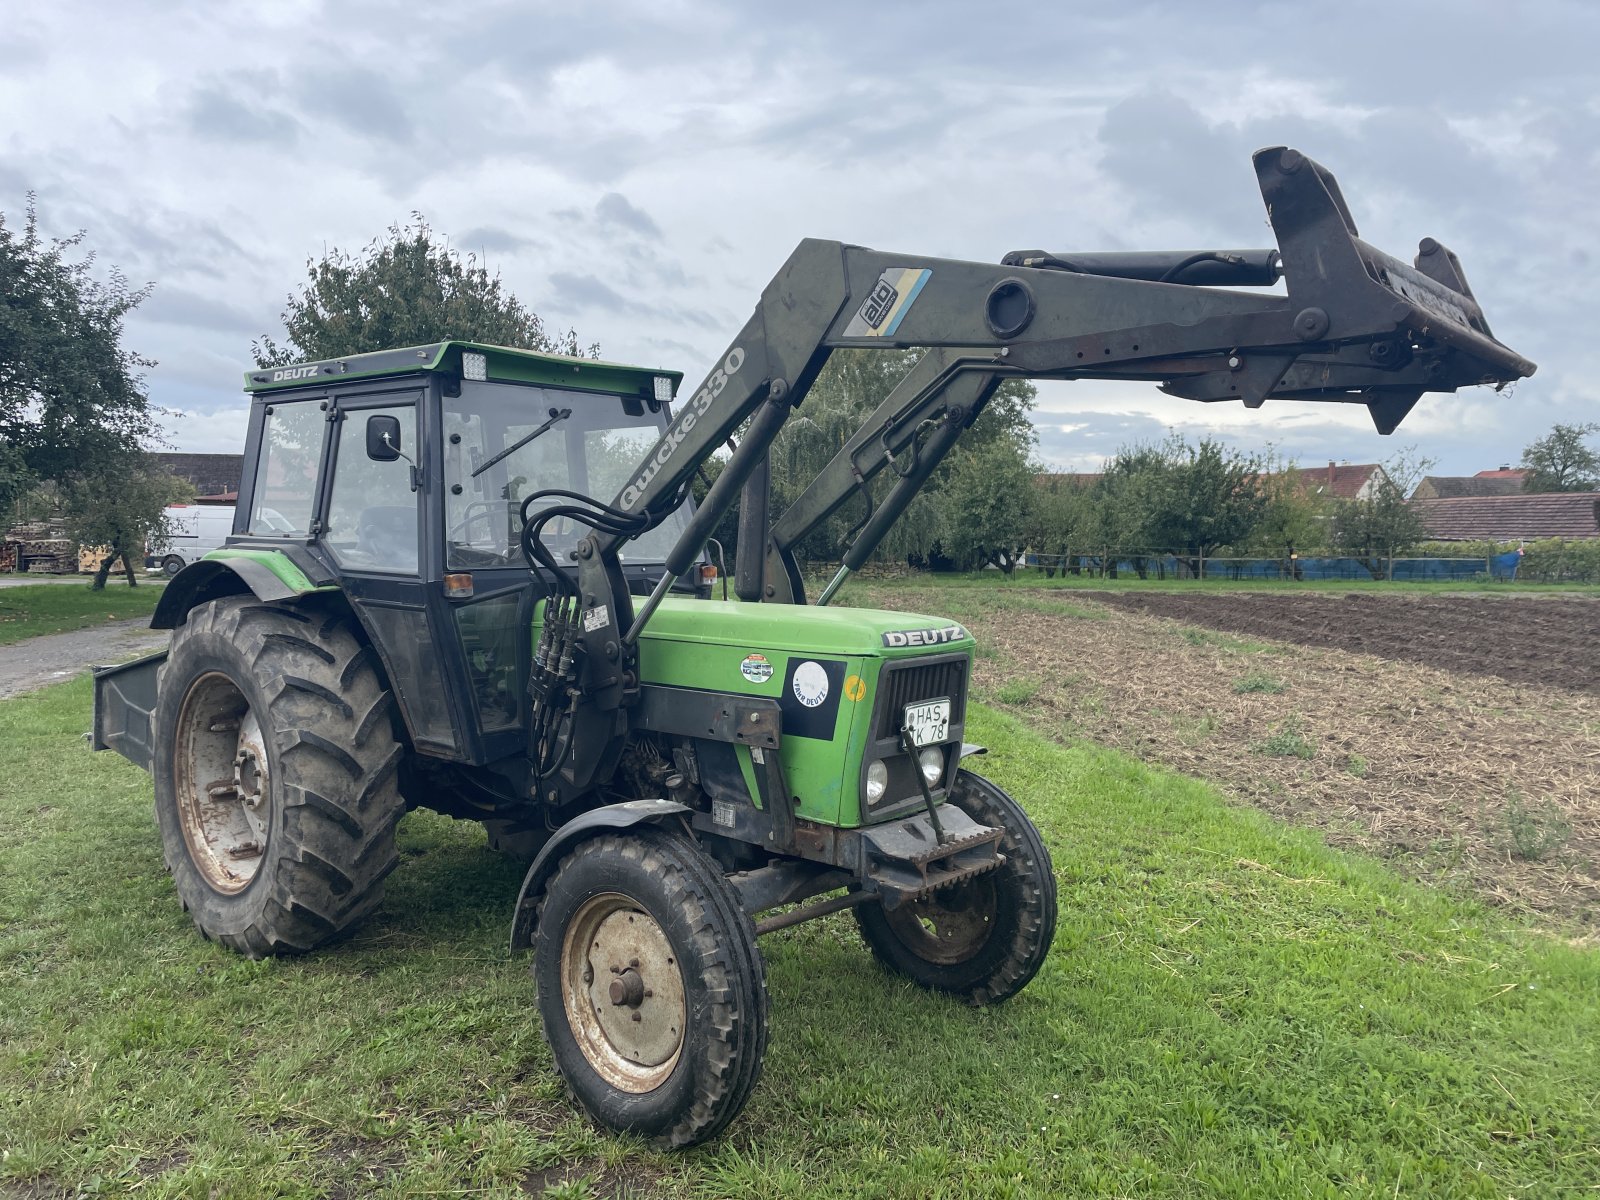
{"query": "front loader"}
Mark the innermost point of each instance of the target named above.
(470, 578)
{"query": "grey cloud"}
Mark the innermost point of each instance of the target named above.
(580, 293)
(497, 241)
(363, 101)
(171, 305)
(214, 114)
(585, 291)
(614, 209)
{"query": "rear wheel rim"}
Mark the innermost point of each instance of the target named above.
(622, 989)
(223, 783)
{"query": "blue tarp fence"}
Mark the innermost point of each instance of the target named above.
(1501, 566)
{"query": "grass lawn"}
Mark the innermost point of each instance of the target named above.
(28, 611)
(1231, 1009)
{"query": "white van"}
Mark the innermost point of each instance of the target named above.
(196, 530)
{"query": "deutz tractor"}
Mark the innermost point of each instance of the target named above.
(470, 578)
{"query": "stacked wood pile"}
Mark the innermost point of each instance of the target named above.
(41, 546)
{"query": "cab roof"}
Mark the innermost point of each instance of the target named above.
(504, 364)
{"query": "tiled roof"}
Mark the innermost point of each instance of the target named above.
(1343, 480)
(210, 473)
(1502, 473)
(1509, 518)
(1484, 483)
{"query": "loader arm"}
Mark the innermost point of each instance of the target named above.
(1356, 326)
(1353, 325)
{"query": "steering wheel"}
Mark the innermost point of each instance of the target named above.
(462, 532)
(275, 520)
(387, 534)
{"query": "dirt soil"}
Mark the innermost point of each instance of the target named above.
(1543, 640)
(1468, 772)
(40, 661)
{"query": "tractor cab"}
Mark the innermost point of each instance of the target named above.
(401, 476)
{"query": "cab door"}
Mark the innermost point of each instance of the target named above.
(371, 526)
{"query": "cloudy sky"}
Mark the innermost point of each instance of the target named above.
(639, 170)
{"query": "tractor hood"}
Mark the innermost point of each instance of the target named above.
(812, 630)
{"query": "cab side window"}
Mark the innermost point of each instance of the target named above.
(371, 522)
(286, 471)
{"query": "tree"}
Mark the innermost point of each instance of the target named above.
(1179, 499)
(984, 516)
(849, 388)
(71, 396)
(1293, 517)
(122, 508)
(1208, 498)
(407, 287)
(1562, 462)
(1375, 529)
(1064, 522)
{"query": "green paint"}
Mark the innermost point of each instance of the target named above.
(805, 628)
(275, 561)
(505, 364)
(703, 644)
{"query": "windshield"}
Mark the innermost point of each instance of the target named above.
(592, 451)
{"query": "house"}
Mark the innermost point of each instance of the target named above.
(1343, 481)
(1504, 482)
(1511, 518)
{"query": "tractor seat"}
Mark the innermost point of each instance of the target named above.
(386, 536)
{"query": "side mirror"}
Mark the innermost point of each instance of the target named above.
(383, 438)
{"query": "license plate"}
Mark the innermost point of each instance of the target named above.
(929, 722)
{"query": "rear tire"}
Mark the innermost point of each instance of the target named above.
(982, 940)
(171, 565)
(651, 989)
(275, 775)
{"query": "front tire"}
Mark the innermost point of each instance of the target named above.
(651, 989)
(982, 940)
(275, 775)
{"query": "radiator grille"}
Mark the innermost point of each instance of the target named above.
(905, 685)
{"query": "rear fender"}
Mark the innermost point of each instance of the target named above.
(590, 824)
(266, 574)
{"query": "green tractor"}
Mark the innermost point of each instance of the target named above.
(469, 578)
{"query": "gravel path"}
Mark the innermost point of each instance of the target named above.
(38, 662)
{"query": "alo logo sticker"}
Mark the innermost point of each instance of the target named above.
(888, 303)
(756, 668)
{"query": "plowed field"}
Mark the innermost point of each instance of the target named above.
(1456, 736)
(1543, 640)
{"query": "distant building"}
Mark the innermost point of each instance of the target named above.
(213, 475)
(1343, 481)
(1513, 518)
(1504, 482)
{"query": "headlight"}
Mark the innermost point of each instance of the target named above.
(877, 781)
(932, 761)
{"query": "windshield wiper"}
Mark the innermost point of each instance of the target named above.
(556, 414)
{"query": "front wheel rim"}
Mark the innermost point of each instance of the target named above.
(222, 780)
(950, 926)
(623, 993)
